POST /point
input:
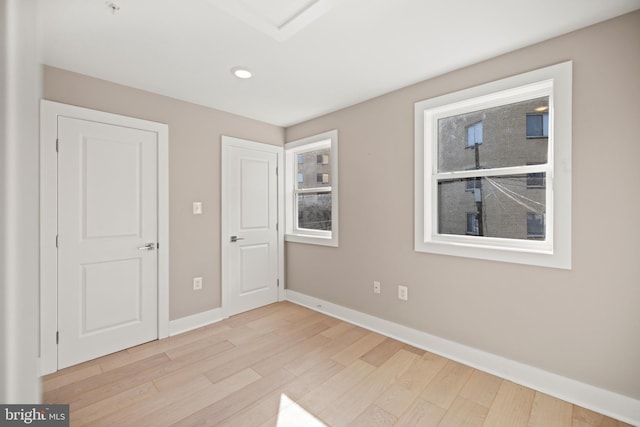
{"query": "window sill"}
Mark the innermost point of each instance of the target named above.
(312, 240)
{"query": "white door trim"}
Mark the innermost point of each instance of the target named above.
(228, 141)
(49, 113)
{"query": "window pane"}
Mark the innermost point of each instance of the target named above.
(314, 164)
(500, 205)
(501, 133)
(314, 211)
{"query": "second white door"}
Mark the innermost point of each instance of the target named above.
(250, 225)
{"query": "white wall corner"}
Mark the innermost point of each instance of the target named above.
(195, 321)
(603, 401)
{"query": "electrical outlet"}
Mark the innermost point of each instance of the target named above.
(403, 293)
(376, 287)
(197, 208)
(197, 283)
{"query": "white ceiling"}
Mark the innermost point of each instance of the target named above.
(308, 57)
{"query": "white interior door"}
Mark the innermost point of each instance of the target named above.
(107, 237)
(250, 225)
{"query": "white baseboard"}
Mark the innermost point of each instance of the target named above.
(603, 401)
(195, 321)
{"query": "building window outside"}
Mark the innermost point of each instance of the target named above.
(538, 125)
(474, 134)
(322, 178)
(311, 199)
(323, 159)
(472, 223)
(536, 180)
(535, 225)
(501, 198)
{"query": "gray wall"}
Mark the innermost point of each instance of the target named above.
(581, 323)
(194, 174)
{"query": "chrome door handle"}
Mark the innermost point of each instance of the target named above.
(235, 239)
(147, 247)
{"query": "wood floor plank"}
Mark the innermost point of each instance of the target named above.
(103, 408)
(328, 392)
(237, 401)
(411, 383)
(382, 352)
(268, 410)
(278, 360)
(421, 413)
(511, 407)
(549, 411)
(466, 413)
(586, 418)
(150, 405)
(277, 345)
(374, 416)
(446, 385)
(358, 348)
(79, 390)
(195, 401)
(284, 364)
(352, 403)
(481, 388)
(336, 344)
(70, 377)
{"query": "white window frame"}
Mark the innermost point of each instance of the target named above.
(555, 251)
(292, 149)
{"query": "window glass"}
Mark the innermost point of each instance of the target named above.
(501, 204)
(502, 131)
(314, 211)
(313, 170)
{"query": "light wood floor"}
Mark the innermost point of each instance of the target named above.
(286, 365)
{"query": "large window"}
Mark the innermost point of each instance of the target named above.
(493, 169)
(312, 190)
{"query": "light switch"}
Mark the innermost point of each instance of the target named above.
(197, 208)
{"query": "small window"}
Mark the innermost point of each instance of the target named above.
(472, 184)
(311, 203)
(535, 225)
(538, 125)
(474, 134)
(322, 178)
(472, 224)
(536, 180)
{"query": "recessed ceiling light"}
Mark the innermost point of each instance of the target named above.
(543, 108)
(241, 72)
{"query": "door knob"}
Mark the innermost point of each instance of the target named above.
(235, 239)
(147, 247)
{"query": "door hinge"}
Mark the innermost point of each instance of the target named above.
(158, 245)
(277, 170)
(56, 240)
(57, 337)
(277, 226)
(57, 144)
(278, 282)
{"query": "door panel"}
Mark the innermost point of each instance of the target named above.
(107, 277)
(250, 277)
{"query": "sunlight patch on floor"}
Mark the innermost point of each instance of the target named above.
(291, 414)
